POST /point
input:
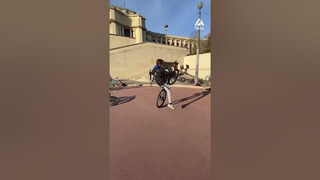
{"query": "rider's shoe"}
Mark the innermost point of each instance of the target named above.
(170, 106)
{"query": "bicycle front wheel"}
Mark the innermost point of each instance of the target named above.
(161, 98)
(173, 77)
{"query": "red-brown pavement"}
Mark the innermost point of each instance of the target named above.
(150, 143)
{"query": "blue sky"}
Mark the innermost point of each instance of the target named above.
(180, 15)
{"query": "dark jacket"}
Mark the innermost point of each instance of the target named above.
(161, 76)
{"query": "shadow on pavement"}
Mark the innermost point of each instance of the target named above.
(126, 87)
(199, 95)
(125, 99)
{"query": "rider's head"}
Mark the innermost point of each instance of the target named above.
(159, 62)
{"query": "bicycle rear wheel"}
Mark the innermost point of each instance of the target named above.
(114, 100)
(181, 79)
(207, 78)
(191, 81)
(119, 83)
(161, 98)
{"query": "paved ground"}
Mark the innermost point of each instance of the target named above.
(147, 143)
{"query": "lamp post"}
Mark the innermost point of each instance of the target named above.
(200, 5)
(166, 26)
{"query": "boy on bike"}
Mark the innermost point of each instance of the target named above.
(162, 77)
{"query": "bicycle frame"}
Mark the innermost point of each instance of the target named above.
(113, 82)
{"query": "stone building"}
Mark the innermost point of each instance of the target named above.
(134, 49)
(131, 25)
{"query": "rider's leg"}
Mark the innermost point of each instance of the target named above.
(168, 90)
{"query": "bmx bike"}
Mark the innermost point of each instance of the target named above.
(161, 98)
(115, 82)
(207, 81)
(172, 78)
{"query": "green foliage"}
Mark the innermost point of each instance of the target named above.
(205, 44)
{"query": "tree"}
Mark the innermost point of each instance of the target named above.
(207, 46)
(204, 42)
(193, 38)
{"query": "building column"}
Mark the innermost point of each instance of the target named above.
(139, 35)
(113, 28)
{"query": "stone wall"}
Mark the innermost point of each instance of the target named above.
(134, 61)
(204, 64)
(119, 41)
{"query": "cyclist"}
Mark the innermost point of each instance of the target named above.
(181, 68)
(162, 76)
(186, 70)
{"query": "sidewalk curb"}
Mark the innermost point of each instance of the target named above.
(155, 85)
